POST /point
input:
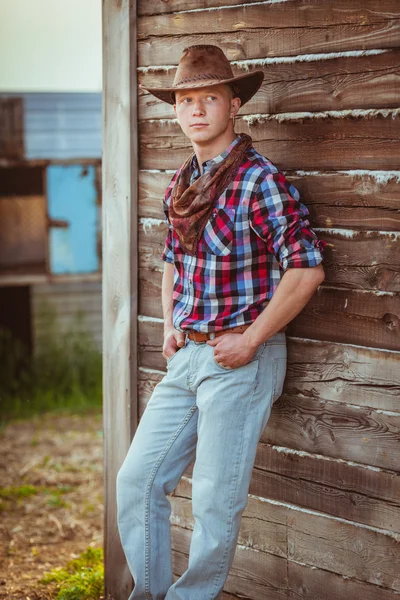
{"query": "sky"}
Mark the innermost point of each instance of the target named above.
(50, 46)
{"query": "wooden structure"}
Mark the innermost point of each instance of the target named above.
(50, 213)
(323, 518)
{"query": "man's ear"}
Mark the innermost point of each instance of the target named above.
(235, 105)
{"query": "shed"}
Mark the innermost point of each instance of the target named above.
(323, 517)
(50, 212)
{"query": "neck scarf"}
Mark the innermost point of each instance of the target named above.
(191, 205)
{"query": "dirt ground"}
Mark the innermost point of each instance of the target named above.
(62, 456)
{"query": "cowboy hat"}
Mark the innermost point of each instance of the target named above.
(203, 65)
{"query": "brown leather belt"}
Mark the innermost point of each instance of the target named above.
(199, 336)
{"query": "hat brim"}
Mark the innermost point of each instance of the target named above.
(247, 85)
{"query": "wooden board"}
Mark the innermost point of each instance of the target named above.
(268, 42)
(333, 486)
(276, 14)
(313, 540)
(119, 270)
(335, 200)
(336, 486)
(336, 315)
(315, 369)
(359, 260)
(362, 435)
(304, 142)
(345, 82)
(366, 436)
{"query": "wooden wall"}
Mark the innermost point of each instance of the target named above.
(323, 518)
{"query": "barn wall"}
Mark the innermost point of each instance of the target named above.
(76, 306)
(323, 518)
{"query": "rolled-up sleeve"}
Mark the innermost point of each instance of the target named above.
(168, 252)
(279, 218)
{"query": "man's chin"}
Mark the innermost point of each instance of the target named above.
(202, 136)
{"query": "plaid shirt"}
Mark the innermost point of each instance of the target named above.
(258, 229)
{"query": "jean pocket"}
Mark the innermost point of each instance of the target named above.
(280, 365)
(171, 358)
(219, 231)
(256, 356)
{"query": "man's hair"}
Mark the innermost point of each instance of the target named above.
(232, 87)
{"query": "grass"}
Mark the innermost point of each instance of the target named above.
(64, 375)
(81, 579)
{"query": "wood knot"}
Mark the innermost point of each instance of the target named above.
(391, 320)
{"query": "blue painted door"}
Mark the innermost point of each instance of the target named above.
(73, 213)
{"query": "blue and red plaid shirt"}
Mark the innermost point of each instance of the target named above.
(258, 229)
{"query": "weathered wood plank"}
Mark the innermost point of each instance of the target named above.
(276, 14)
(353, 317)
(253, 574)
(331, 485)
(330, 498)
(366, 436)
(12, 127)
(314, 540)
(169, 6)
(359, 260)
(345, 82)
(314, 487)
(268, 42)
(317, 584)
(119, 268)
(343, 373)
(320, 370)
(358, 201)
(336, 315)
(302, 142)
(362, 435)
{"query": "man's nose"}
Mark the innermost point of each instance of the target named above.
(198, 108)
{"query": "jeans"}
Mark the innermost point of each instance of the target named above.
(204, 412)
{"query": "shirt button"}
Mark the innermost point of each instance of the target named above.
(190, 281)
(185, 313)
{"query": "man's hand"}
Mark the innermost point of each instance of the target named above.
(232, 350)
(173, 341)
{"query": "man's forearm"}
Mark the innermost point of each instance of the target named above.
(294, 290)
(166, 295)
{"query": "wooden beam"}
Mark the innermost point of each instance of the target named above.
(119, 172)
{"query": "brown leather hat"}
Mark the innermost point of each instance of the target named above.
(203, 65)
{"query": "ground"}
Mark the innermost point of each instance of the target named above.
(51, 498)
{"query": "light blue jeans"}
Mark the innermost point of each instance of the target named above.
(202, 412)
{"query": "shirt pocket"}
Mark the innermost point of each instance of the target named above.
(218, 232)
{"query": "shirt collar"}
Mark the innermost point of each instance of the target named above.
(212, 161)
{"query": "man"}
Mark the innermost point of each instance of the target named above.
(241, 261)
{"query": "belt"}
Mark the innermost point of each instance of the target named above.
(199, 336)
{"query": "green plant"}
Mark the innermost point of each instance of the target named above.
(64, 374)
(81, 578)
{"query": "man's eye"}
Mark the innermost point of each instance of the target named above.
(212, 97)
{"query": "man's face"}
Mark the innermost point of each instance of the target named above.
(205, 113)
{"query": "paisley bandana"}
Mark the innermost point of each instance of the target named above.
(192, 205)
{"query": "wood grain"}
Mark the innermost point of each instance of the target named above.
(366, 436)
(267, 42)
(333, 430)
(119, 269)
(341, 83)
(335, 200)
(328, 143)
(335, 486)
(237, 17)
(316, 369)
(314, 540)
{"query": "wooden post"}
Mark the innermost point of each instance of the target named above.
(119, 170)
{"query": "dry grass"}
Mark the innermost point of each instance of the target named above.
(51, 498)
